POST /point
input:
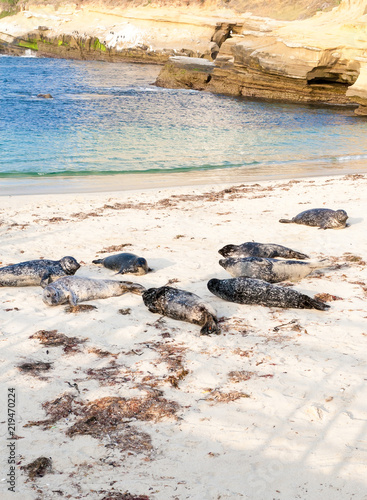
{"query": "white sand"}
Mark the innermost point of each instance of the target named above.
(300, 434)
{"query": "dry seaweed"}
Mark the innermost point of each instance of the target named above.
(114, 248)
(105, 415)
(102, 354)
(79, 308)
(56, 410)
(51, 338)
(109, 375)
(130, 440)
(327, 297)
(38, 468)
(175, 379)
(125, 312)
(225, 397)
(173, 356)
(234, 325)
(114, 495)
(35, 367)
(349, 257)
(240, 376)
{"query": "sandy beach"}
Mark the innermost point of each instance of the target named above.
(119, 399)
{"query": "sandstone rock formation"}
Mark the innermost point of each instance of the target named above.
(319, 59)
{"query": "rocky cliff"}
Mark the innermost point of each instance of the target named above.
(317, 59)
(320, 60)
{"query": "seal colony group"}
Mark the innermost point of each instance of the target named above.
(253, 265)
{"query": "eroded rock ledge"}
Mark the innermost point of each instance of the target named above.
(270, 60)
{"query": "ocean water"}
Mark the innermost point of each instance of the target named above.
(109, 119)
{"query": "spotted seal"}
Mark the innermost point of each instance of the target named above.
(37, 272)
(124, 263)
(253, 291)
(271, 270)
(253, 249)
(323, 218)
(72, 290)
(181, 305)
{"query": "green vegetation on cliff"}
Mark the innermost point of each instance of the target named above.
(8, 7)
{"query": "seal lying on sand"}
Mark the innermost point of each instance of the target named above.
(125, 263)
(324, 218)
(73, 290)
(271, 270)
(253, 249)
(252, 291)
(37, 272)
(182, 305)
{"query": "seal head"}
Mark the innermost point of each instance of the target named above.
(69, 265)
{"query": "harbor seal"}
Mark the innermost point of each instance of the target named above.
(181, 305)
(323, 218)
(253, 249)
(72, 290)
(253, 291)
(37, 272)
(270, 270)
(125, 263)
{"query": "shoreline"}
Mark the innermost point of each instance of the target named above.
(195, 178)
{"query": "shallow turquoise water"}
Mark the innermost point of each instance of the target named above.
(109, 119)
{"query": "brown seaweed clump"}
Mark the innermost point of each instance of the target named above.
(102, 416)
(56, 410)
(327, 297)
(38, 468)
(240, 376)
(112, 374)
(216, 396)
(35, 368)
(51, 338)
(79, 308)
(115, 495)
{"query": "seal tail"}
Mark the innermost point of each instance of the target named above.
(97, 261)
(310, 303)
(286, 221)
(135, 288)
(211, 326)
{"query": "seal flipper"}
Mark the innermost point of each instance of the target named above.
(73, 299)
(46, 279)
(97, 261)
(299, 255)
(134, 288)
(310, 303)
(286, 221)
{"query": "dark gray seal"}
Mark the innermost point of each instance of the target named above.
(181, 305)
(252, 291)
(125, 263)
(271, 270)
(253, 249)
(37, 272)
(323, 218)
(72, 290)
